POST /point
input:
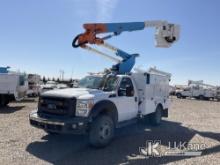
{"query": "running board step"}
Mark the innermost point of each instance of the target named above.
(127, 122)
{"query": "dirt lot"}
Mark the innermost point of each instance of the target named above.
(189, 121)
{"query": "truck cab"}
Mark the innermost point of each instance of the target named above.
(102, 103)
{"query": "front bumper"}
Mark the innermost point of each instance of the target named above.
(74, 125)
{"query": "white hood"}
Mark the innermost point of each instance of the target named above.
(80, 93)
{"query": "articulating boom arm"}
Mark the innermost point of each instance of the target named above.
(165, 35)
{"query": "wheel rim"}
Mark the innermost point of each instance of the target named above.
(105, 131)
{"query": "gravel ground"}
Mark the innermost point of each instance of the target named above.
(190, 121)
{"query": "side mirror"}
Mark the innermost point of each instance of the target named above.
(113, 94)
(121, 92)
(129, 91)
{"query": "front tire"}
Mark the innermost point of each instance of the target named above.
(155, 118)
(101, 131)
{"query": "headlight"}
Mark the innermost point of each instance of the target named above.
(83, 107)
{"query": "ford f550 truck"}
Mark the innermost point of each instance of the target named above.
(103, 103)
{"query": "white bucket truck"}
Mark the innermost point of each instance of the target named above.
(13, 86)
(198, 90)
(105, 102)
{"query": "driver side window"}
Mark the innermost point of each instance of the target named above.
(126, 88)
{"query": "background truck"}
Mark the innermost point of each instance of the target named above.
(13, 86)
(217, 96)
(33, 85)
(50, 85)
(198, 90)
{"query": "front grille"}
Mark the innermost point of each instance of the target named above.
(57, 106)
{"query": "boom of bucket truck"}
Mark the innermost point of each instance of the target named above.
(165, 35)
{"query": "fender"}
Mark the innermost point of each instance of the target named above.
(104, 106)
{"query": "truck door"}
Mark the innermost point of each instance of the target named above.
(127, 102)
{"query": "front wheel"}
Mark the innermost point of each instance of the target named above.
(101, 131)
(155, 118)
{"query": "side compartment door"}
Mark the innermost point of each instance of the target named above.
(150, 94)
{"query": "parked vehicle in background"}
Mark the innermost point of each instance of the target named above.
(50, 85)
(13, 86)
(217, 96)
(33, 85)
(172, 90)
(61, 86)
(74, 84)
(198, 90)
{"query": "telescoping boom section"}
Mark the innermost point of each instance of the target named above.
(165, 35)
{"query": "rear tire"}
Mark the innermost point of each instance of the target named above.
(101, 131)
(179, 95)
(155, 118)
(3, 101)
(201, 97)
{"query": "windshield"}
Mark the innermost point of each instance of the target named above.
(110, 83)
(95, 82)
(91, 82)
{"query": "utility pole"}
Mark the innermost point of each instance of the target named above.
(62, 74)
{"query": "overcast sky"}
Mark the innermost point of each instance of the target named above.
(36, 36)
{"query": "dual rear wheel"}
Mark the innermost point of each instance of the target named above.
(156, 117)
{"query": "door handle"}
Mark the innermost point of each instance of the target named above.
(135, 99)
